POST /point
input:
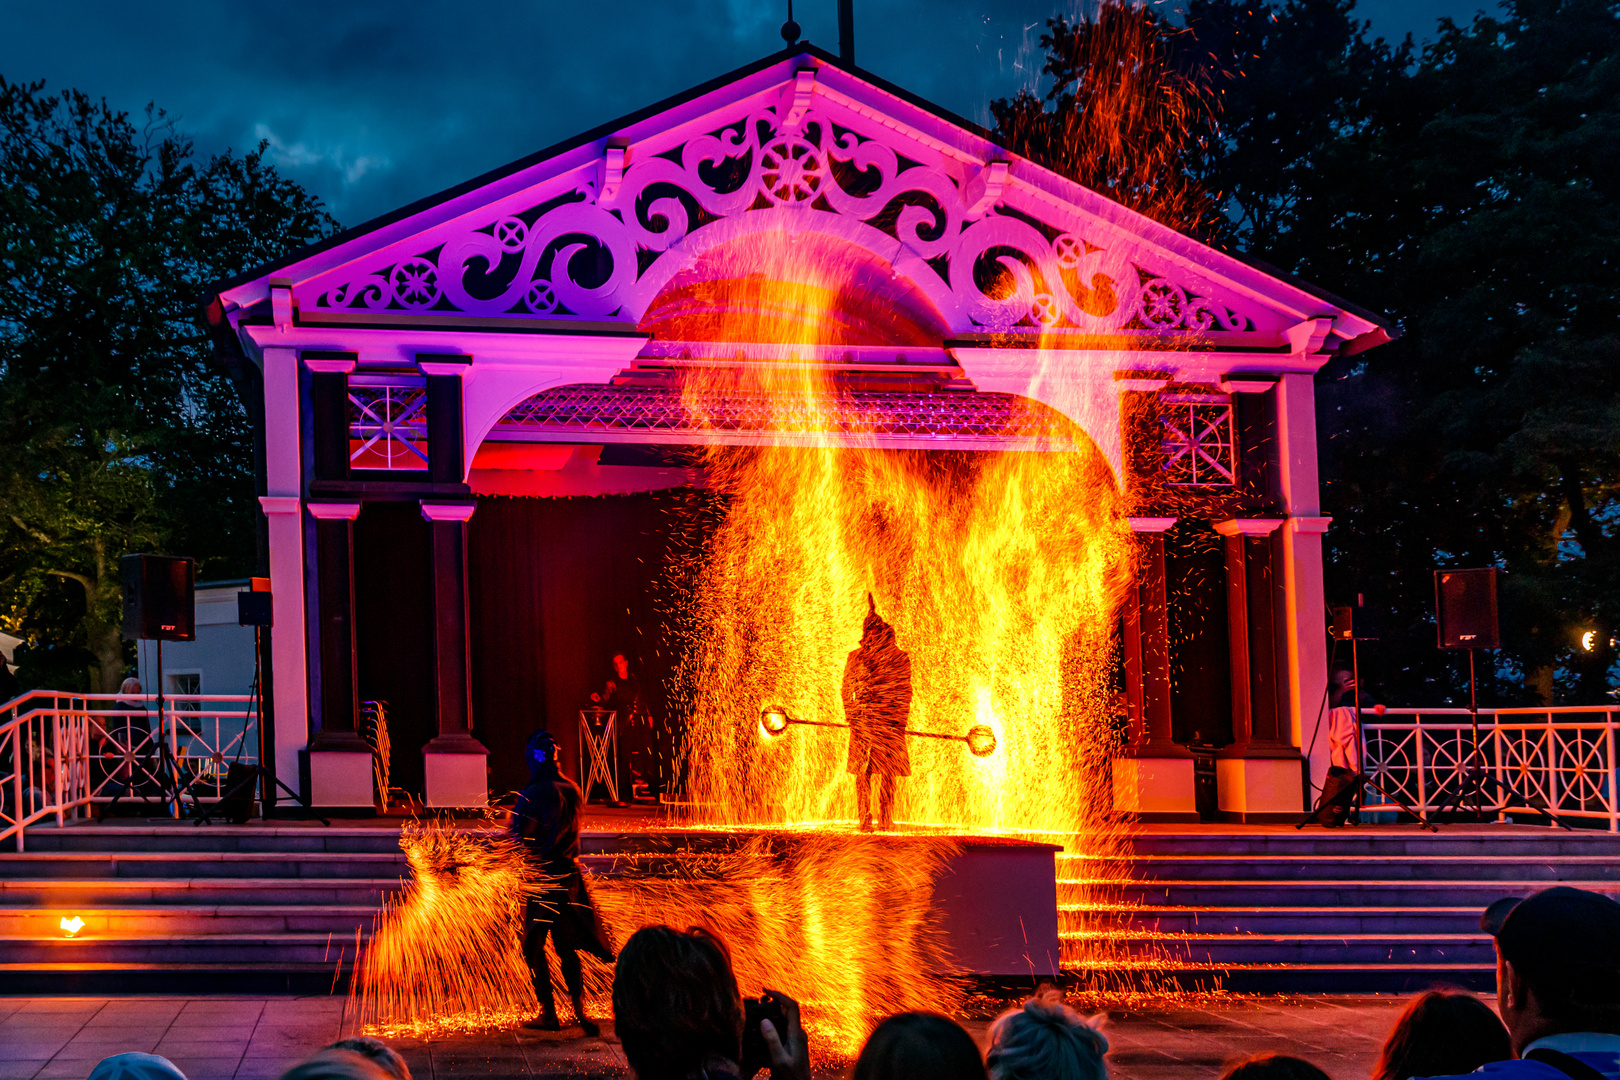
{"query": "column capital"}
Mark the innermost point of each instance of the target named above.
(334, 511)
(1151, 524)
(1317, 525)
(280, 504)
(1248, 382)
(1146, 382)
(448, 511)
(1247, 526)
(456, 364)
(329, 363)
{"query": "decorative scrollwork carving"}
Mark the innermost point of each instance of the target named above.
(986, 266)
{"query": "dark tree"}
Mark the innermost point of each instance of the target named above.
(120, 433)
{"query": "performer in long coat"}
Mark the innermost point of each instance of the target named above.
(877, 705)
(546, 822)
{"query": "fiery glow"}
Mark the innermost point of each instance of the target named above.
(447, 951)
(1000, 572)
(71, 926)
(840, 923)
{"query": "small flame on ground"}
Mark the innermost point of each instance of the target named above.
(71, 926)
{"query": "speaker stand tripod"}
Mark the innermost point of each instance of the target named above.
(1474, 783)
(258, 776)
(166, 769)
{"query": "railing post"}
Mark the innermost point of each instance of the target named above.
(1608, 739)
(1554, 798)
(1422, 780)
(1496, 758)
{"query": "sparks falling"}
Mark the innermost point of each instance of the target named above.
(447, 952)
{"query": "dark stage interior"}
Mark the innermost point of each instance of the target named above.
(556, 586)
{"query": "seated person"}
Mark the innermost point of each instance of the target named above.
(678, 1013)
(1045, 1039)
(1557, 984)
(920, 1045)
(1440, 1033)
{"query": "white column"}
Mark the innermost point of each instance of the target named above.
(1302, 562)
(282, 506)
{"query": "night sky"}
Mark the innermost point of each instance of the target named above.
(373, 105)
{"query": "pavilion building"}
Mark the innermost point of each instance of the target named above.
(468, 411)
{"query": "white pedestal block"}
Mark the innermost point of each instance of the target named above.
(455, 780)
(997, 904)
(1261, 789)
(340, 778)
(1152, 788)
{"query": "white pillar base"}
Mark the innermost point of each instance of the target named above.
(1261, 789)
(340, 778)
(1155, 788)
(455, 780)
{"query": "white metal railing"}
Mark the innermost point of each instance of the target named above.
(60, 753)
(1559, 758)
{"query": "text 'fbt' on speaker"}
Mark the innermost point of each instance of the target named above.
(160, 598)
(1465, 609)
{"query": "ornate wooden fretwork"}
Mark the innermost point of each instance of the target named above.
(601, 245)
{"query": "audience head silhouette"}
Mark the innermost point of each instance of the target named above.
(1273, 1067)
(676, 1008)
(1559, 969)
(1046, 1040)
(1442, 1033)
(919, 1046)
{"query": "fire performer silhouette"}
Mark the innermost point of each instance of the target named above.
(877, 704)
(546, 822)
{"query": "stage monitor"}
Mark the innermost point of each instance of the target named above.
(1465, 609)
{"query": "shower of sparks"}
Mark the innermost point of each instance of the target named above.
(447, 951)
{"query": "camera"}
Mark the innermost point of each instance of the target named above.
(755, 1054)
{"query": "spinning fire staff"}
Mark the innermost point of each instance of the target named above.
(877, 705)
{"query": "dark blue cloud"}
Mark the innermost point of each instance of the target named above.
(372, 105)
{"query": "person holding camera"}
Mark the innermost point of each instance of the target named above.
(678, 1013)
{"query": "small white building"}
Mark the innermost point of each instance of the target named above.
(218, 661)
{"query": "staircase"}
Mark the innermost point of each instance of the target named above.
(166, 907)
(1368, 909)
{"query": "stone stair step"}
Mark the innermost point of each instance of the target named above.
(64, 893)
(1181, 867)
(1276, 920)
(199, 864)
(195, 919)
(97, 978)
(185, 837)
(239, 949)
(1240, 892)
(1246, 948)
(1450, 841)
(1328, 978)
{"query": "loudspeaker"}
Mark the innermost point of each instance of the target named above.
(1465, 609)
(160, 598)
(1354, 624)
(253, 609)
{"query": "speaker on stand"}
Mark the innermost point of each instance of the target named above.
(1465, 617)
(253, 608)
(160, 604)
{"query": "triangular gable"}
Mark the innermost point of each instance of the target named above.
(592, 232)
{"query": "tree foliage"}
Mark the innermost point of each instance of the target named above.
(1468, 190)
(120, 434)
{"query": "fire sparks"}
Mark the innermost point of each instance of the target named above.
(1000, 572)
(447, 952)
(841, 923)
